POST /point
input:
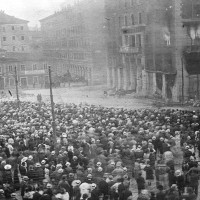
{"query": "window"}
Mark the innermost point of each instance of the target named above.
(13, 37)
(140, 18)
(120, 22)
(125, 21)
(139, 61)
(34, 67)
(10, 68)
(139, 40)
(132, 40)
(4, 29)
(22, 48)
(4, 38)
(0, 69)
(11, 81)
(13, 28)
(22, 37)
(126, 3)
(22, 68)
(45, 66)
(132, 19)
(126, 40)
(132, 2)
(22, 28)
(14, 48)
(35, 80)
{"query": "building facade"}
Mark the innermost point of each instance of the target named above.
(73, 40)
(191, 50)
(145, 48)
(20, 55)
(126, 56)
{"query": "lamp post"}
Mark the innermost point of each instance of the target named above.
(52, 106)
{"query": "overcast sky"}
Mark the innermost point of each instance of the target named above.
(32, 10)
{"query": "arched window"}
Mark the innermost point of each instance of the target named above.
(125, 21)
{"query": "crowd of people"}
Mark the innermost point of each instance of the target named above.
(97, 153)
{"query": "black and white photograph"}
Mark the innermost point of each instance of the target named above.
(99, 99)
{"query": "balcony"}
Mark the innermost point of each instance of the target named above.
(131, 50)
(133, 28)
(33, 72)
(191, 22)
(192, 48)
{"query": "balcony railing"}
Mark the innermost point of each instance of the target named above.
(33, 72)
(192, 48)
(129, 49)
(133, 28)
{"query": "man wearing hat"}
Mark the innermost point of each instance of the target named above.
(63, 183)
(7, 175)
(37, 195)
(40, 172)
(2, 196)
(24, 185)
(179, 181)
(32, 174)
(13, 196)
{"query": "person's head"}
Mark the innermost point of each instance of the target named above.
(45, 181)
(89, 170)
(152, 194)
(13, 196)
(1, 192)
(62, 191)
(64, 177)
(174, 187)
(160, 187)
(190, 190)
(89, 176)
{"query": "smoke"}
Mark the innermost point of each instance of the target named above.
(192, 33)
(166, 35)
(198, 32)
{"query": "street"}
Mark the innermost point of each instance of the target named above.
(89, 95)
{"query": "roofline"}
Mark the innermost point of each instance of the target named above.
(14, 23)
(50, 16)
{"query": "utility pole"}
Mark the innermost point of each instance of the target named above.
(198, 86)
(16, 85)
(182, 82)
(52, 106)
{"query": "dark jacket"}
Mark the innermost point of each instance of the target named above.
(32, 174)
(140, 182)
(160, 195)
(36, 196)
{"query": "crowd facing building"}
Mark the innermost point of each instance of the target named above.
(146, 45)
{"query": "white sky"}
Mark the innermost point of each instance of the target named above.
(32, 10)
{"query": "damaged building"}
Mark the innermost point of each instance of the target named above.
(151, 49)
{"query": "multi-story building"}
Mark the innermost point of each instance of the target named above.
(73, 40)
(126, 56)
(191, 50)
(14, 34)
(145, 47)
(20, 50)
